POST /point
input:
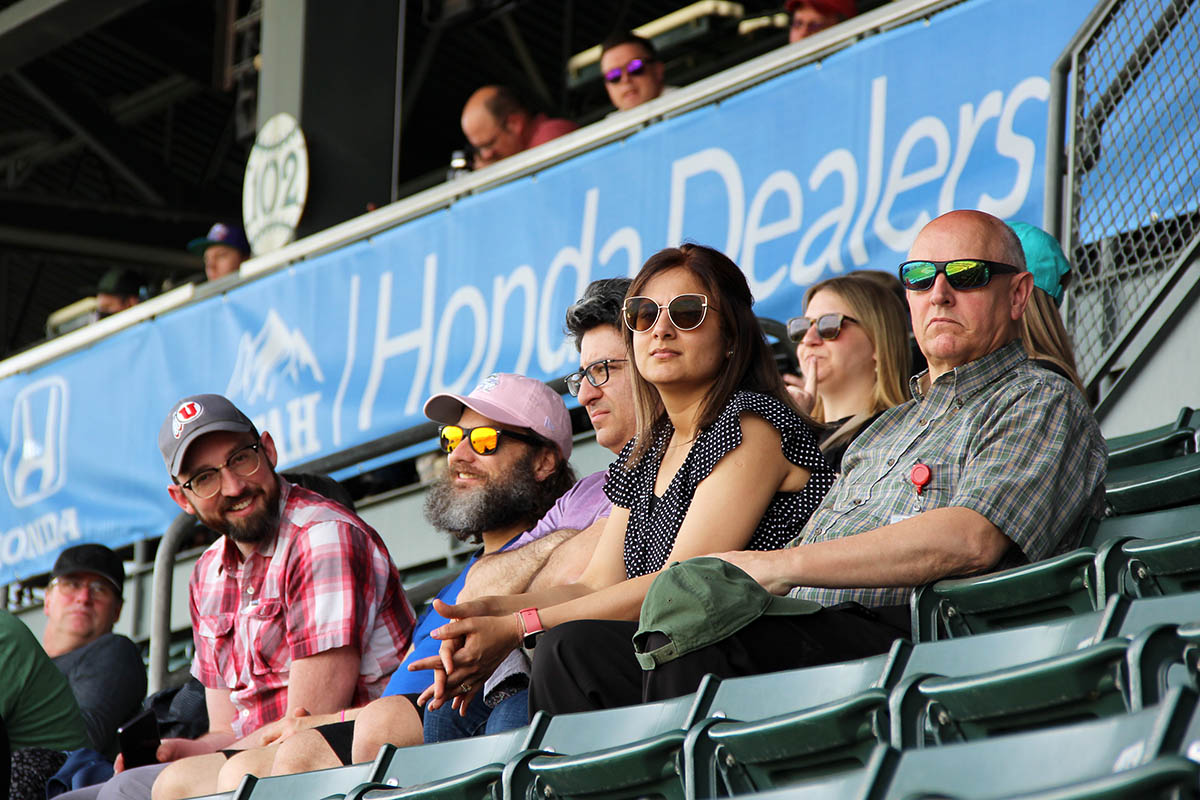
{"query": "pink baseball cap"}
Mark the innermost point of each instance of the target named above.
(510, 400)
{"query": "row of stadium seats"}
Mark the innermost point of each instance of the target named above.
(1071, 678)
(1099, 689)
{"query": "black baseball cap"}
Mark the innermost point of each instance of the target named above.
(95, 558)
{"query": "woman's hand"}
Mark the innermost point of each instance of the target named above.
(472, 647)
(803, 389)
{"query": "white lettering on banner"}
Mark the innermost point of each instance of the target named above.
(551, 356)
(744, 237)
(804, 272)
(419, 339)
(629, 240)
(469, 298)
(1020, 149)
(717, 160)
(786, 184)
(35, 466)
(42, 536)
(348, 363)
(930, 128)
(523, 277)
(294, 433)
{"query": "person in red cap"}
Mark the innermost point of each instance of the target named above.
(812, 16)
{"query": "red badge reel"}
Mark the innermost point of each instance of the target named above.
(920, 476)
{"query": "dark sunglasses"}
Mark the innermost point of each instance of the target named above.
(828, 326)
(595, 372)
(686, 312)
(484, 440)
(634, 68)
(961, 273)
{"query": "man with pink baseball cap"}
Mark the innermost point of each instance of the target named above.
(807, 17)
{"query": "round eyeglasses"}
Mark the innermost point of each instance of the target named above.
(244, 462)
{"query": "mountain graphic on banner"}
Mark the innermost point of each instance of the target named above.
(264, 360)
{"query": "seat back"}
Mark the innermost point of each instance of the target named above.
(1156, 567)
(1158, 484)
(1174, 439)
(460, 769)
(1137, 615)
(633, 751)
(1055, 587)
(1081, 684)
(1148, 525)
(1008, 766)
(315, 785)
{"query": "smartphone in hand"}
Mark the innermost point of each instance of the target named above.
(139, 739)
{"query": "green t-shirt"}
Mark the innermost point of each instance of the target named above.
(35, 699)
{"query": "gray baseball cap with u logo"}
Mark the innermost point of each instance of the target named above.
(193, 417)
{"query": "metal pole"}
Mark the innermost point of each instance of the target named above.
(160, 614)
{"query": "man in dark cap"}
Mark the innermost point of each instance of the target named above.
(117, 290)
(83, 602)
(223, 248)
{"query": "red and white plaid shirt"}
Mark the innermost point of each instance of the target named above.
(325, 581)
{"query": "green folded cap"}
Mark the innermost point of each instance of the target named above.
(701, 601)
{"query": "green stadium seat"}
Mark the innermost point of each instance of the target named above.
(1040, 760)
(1149, 525)
(1158, 484)
(1167, 441)
(849, 784)
(315, 785)
(634, 751)
(462, 769)
(1164, 778)
(1160, 658)
(1055, 587)
(773, 730)
(1154, 567)
(1081, 684)
(1134, 616)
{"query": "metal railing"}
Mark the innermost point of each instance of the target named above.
(1124, 202)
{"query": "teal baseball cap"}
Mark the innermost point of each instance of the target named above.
(1044, 257)
(701, 601)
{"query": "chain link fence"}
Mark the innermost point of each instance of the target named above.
(1133, 171)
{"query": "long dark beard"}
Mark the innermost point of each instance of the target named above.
(467, 513)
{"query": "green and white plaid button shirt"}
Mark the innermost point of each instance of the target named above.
(1002, 436)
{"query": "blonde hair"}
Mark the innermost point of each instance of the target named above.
(883, 318)
(1045, 338)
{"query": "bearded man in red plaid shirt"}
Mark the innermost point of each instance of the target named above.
(296, 609)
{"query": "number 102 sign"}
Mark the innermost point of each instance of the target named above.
(275, 187)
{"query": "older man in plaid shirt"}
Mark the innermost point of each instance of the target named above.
(997, 461)
(297, 609)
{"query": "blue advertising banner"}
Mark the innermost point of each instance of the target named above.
(829, 168)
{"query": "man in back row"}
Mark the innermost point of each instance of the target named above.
(83, 602)
(996, 462)
(498, 124)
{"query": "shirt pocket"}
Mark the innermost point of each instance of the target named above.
(938, 492)
(216, 634)
(266, 626)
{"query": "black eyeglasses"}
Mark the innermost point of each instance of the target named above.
(961, 273)
(828, 326)
(595, 372)
(484, 439)
(686, 312)
(244, 461)
(634, 68)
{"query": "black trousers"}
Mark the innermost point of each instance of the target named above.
(589, 664)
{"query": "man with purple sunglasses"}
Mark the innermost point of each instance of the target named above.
(631, 70)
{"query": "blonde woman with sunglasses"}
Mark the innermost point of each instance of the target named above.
(722, 460)
(852, 344)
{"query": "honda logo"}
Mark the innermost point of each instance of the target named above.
(35, 466)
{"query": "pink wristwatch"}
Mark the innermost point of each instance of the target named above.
(531, 627)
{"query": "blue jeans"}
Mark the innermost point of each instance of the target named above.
(445, 723)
